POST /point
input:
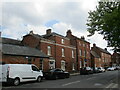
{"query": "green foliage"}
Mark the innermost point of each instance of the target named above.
(106, 21)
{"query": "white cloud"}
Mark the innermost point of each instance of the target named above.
(37, 29)
(35, 14)
(61, 28)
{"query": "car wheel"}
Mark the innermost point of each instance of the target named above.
(16, 82)
(39, 79)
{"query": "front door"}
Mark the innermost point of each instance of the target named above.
(63, 65)
(51, 64)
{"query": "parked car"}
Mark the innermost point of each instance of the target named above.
(96, 70)
(101, 69)
(111, 69)
(16, 73)
(117, 68)
(56, 73)
(86, 70)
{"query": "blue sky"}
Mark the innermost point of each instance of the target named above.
(51, 23)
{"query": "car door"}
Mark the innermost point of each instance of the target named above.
(60, 73)
(35, 72)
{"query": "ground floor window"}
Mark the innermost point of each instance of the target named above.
(73, 67)
(63, 65)
(51, 64)
(80, 64)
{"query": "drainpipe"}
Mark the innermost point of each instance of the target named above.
(77, 55)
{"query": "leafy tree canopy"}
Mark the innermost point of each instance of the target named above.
(106, 21)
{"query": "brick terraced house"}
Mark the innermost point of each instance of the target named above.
(100, 57)
(62, 54)
(116, 59)
(82, 50)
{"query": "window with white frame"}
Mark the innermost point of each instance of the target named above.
(80, 43)
(102, 54)
(80, 64)
(63, 65)
(87, 53)
(62, 41)
(49, 50)
(80, 52)
(84, 53)
(83, 45)
(99, 59)
(73, 66)
(72, 53)
(63, 52)
(87, 46)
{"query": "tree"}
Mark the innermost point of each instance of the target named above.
(106, 21)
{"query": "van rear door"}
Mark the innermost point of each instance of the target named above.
(3, 73)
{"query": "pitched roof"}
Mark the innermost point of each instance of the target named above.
(95, 54)
(10, 41)
(80, 39)
(53, 33)
(10, 49)
(103, 50)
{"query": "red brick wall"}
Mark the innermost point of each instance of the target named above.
(8, 59)
(103, 57)
(56, 50)
(30, 41)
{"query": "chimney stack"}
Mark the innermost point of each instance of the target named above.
(69, 33)
(82, 37)
(106, 49)
(48, 31)
(94, 45)
(31, 33)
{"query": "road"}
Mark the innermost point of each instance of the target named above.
(109, 79)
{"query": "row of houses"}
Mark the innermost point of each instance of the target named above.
(53, 50)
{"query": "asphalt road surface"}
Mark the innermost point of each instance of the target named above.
(109, 79)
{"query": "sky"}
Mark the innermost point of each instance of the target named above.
(19, 17)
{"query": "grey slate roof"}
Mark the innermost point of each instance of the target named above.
(10, 41)
(10, 49)
(103, 50)
(95, 54)
(53, 33)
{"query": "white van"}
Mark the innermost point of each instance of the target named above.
(16, 73)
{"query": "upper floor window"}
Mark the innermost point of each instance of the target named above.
(87, 46)
(63, 52)
(83, 45)
(102, 54)
(84, 53)
(62, 41)
(72, 54)
(80, 43)
(49, 50)
(87, 53)
(80, 52)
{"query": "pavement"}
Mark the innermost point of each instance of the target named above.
(73, 74)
